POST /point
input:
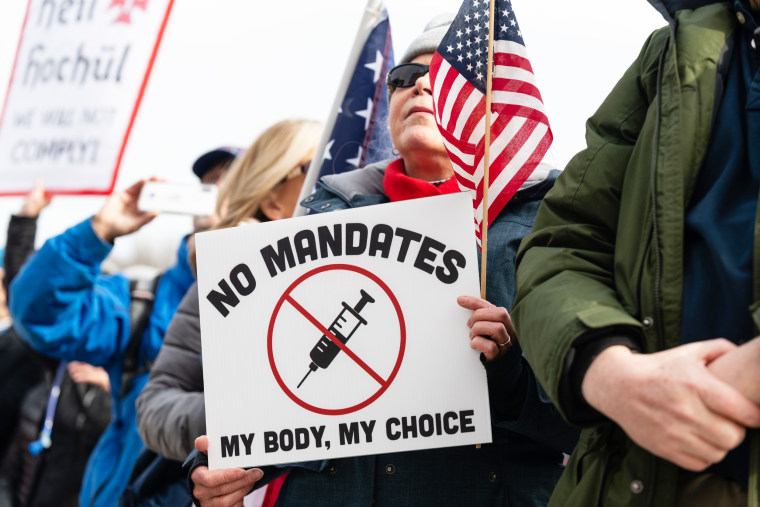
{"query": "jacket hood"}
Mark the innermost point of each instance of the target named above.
(668, 8)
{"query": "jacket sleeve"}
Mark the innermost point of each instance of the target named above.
(565, 267)
(170, 408)
(518, 402)
(64, 307)
(19, 246)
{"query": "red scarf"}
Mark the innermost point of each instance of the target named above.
(400, 187)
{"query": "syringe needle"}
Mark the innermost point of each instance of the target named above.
(304, 378)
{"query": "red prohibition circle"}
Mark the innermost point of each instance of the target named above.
(402, 342)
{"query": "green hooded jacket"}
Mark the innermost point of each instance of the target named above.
(606, 252)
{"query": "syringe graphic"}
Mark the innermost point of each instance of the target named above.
(343, 327)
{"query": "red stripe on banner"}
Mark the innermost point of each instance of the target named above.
(477, 114)
(512, 60)
(516, 86)
(465, 167)
(521, 111)
(514, 145)
(140, 94)
(521, 176)
(15, 62)
(466, 148)
(445, 97)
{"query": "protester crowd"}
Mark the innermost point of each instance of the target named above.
(617, 330)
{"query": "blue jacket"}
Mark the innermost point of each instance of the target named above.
(523, 464)
(65, 308)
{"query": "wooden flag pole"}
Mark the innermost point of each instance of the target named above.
(486, 154)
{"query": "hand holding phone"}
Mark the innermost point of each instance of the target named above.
(195, 199)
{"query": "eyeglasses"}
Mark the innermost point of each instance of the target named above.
(405, 75)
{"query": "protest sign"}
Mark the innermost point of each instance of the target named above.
(80, 72)
(339, 334)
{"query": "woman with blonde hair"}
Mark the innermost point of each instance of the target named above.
(261, 185)
(265, 182)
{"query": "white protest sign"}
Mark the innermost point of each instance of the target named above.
(80, 72)
(339, 334)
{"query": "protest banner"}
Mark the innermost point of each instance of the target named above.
(80, 72)
(338, 334)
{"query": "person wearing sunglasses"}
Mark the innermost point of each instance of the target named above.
(522, 465)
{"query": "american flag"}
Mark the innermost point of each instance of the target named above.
(520, 133)
(359, 136)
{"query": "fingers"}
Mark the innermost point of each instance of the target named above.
(726, 401)
(217, 488)
(485, 346)
(491, 329)
(201, 443)
(713, 349)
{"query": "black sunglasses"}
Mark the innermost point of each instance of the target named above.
(405, 75)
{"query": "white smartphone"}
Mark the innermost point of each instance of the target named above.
(195, 199)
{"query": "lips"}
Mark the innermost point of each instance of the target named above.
(420, 109)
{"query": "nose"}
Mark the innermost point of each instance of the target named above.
(422, 85)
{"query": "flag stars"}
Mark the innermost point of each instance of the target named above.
(366, 113)
(450, 48)
(467, 30)
(476, 15)
(466, 18)
(469, 67)
(376, 66)
(469, 55)
(327, 155)
(459, 46)
(478, 52)
(479, 76)
(503, 28)
(514, 22)
(459, 33)
(460, 58)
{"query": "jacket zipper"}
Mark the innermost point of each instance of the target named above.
(659, 329)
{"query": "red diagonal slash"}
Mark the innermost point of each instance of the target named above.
(337, 342)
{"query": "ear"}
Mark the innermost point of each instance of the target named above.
(271, 208)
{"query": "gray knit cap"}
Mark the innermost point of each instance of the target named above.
(429, 39)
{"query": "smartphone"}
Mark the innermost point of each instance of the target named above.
(195, 199)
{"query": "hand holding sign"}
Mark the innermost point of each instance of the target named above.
(35, 201)
(221, 487)
(120, 215)
(491, 329)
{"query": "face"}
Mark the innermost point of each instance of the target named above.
(283, 198)
(411, 117)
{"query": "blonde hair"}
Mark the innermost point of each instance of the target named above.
(271, 158)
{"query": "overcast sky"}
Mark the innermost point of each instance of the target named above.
(227, 69)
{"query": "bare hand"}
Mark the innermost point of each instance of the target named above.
(738, 369)
(88, 374)
(221, 488)
(119, 215)
(491, 329)
(670, 404)
(35, 201)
